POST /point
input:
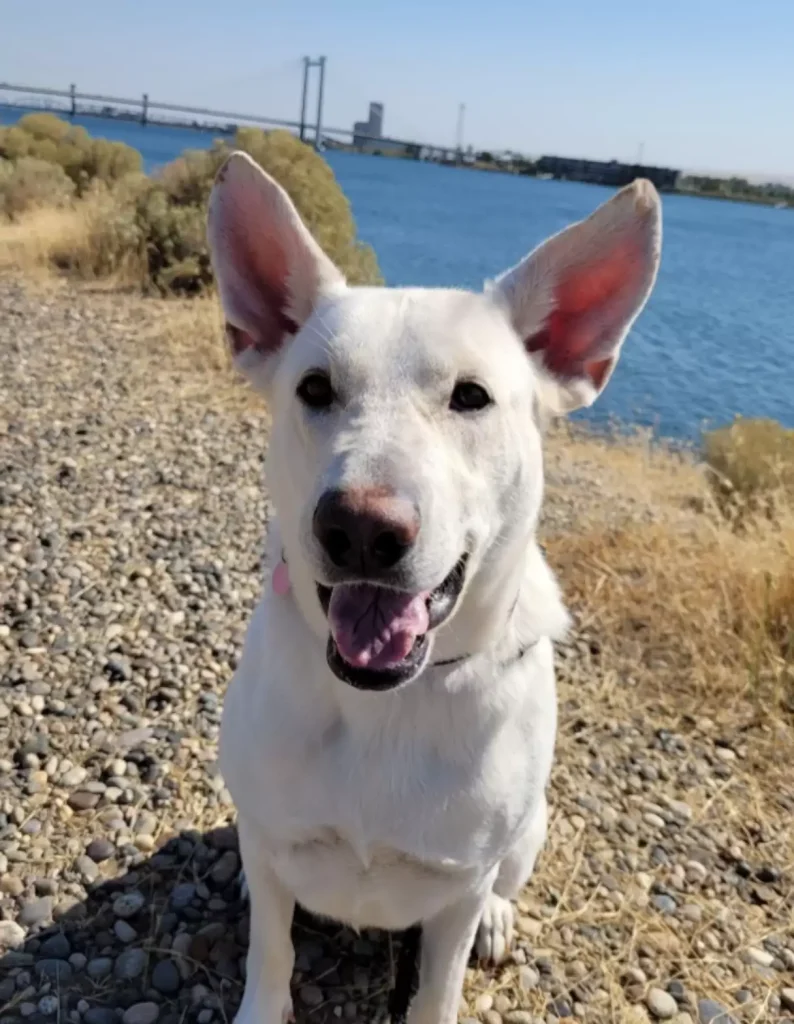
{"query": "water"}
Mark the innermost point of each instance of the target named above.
(717, 336)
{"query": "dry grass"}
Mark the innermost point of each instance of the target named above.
(80, 238)
(34, 245)
(691, 615)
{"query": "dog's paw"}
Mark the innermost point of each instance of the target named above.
(495, 933)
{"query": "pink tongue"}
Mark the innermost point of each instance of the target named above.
(376, 628)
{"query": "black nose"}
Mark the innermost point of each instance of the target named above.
(367, 529)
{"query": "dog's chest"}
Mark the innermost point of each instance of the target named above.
(387, 798)
(373, 808)
(374, 833)
(411, 786)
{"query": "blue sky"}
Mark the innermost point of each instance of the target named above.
(699, 84)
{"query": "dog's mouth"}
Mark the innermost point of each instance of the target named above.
(380, 638)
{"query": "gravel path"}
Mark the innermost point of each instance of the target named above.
(131, 522)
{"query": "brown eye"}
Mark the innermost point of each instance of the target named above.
(469, 396)
(315, 390)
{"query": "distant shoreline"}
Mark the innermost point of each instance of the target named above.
(756, 195)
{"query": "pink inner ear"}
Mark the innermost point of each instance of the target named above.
(254, 270)
(591, 305)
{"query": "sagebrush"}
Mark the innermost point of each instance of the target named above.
(150, 230)
(752, 465)
(45, 139)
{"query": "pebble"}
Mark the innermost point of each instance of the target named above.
(100, 967)
(529, 926)
(124, 931)
(166, 977)
(83, 800)
(128, 904)
(74, 777)
(11, 935)
(661, 1004)
(130, 964)
(57, 946)
(48, 1005)
(528, 978)
(100, 1015)
(711, 1012)
(664, 904)
(311, 995)
(226, 868)
(759, 956)
(182, 895)
(100, 850)
(87, 869)
(59, 971)
(141, 1013)
(787, 999)
(680, 809)
(36, 912)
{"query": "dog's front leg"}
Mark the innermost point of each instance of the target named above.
(267, 998)
(446, 945)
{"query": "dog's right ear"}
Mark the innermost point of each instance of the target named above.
(269, 269)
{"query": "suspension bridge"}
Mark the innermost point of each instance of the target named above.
(146, 110)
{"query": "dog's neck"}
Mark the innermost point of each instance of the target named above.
(512, 601)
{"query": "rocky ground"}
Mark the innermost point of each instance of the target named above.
(131, 520)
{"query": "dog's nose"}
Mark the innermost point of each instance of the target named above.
(366, 529)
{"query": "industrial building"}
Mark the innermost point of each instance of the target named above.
(368, 137)
(602, 172)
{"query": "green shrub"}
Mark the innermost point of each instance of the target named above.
(153, 229)
(29, 182)
(47, 126)
(752, 462)
(84, 160)
(188, 179)
(302, 172)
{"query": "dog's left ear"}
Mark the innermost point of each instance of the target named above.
(573, 300)
(270, 270)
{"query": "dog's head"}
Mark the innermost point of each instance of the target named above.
(405, 458)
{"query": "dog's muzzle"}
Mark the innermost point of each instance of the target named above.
(380, 638)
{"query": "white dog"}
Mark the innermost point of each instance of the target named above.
(388, 735)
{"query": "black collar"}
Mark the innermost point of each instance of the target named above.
(505, 664)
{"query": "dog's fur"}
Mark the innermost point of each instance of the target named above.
(424, 804)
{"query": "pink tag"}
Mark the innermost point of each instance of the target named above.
(281, 582)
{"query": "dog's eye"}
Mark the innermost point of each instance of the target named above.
(315, 390)
(469, 396)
